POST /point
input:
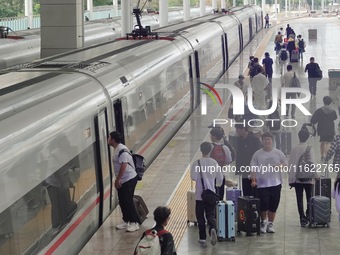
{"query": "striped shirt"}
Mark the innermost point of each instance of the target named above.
(334, 150)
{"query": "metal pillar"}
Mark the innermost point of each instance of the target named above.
(126, 17)
(29, 12)
(186, 9)
(263, 6)
(202, 7)
(115, 7)
(275, 10)
(222, 4)
(163, 13)
(90, 8)
(286, 9)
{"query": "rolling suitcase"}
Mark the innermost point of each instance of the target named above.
(326, 188)
(191, 205)
(141, 208)
(295, 56)
(319, 211)
(225, 221)
(248, 215)
(232, 195)
(320, 206)
(286, 142)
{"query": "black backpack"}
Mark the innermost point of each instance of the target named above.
(283, 55)
(138, 161)
(301, 44)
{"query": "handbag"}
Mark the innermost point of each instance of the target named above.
(318, 74)
(208, 196)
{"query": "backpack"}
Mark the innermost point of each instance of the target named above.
(218, 154)
(304, 167)
(283, 55)
(150, 244)
(274, 125)
(138, 161)
(230, 147)
(301, 44)
(294, 82)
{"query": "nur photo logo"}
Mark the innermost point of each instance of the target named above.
(204, 97)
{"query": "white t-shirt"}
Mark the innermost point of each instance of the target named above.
(208, 176)
(262, 160)
(124, 158)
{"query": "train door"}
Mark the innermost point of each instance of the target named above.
(198, 79)
(240, 34)
(226, 51)
(250, 29)
(193, 90)
(104, 167)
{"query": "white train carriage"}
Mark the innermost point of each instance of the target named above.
(56, 114)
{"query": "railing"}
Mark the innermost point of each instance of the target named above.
(22, 23)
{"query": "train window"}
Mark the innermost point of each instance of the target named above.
(124, 81)
(36, 219)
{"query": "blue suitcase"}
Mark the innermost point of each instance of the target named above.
(232, 195)
(225, 221)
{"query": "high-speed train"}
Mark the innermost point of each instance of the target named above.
(24, 46)
(55, 115)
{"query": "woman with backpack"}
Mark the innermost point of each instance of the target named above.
(301, 45)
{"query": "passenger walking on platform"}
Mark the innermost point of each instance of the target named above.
(162, 215)
(268, 182)
(274, 125)
(247, 145)
(290, 47)
(301, 45)
(336, 195)
(301, 184)
(278, 42)
(199, 174)
(267, 64)
(259, 84)
(312, 68)
(287, 82)
(125, 183)
(242, 85)
(266, 18)
(288, 31)
(334, 150)
(220, 153)
(325, 117)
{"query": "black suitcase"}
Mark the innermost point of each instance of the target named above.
(248, 215)
(326, 188)
(286, 142)
(141, 208)
(319, 211)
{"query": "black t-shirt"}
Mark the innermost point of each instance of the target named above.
(311, 68)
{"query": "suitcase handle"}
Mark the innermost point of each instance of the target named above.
(256, 214)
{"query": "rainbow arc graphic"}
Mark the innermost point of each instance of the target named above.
(208, 91)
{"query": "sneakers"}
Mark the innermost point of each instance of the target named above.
(270, 228)
(263, 227)
(202, 241)
(132, 227)
(122, 225)
(213, 237)
(304, 222)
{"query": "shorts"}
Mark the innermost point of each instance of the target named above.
(326, 138)
(269, 198)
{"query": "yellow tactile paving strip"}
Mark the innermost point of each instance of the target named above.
(178, 204)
